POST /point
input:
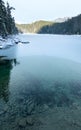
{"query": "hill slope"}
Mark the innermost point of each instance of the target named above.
(34, 27)
(67, 26)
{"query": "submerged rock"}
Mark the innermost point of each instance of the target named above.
(29, 120)
(22, 122)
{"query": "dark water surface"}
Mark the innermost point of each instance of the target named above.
(40, 84)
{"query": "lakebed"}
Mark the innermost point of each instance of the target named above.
(40, 86)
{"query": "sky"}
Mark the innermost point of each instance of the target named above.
(28, 11)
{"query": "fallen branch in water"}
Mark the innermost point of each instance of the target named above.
(27, 42)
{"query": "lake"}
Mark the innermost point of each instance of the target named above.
(40, 83)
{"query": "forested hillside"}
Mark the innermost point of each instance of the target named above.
(7, 22)
(69, 26)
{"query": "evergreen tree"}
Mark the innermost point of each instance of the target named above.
(9, 19)
(7, 22)
(3, 29)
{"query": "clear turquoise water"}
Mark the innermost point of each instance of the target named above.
(39, 77)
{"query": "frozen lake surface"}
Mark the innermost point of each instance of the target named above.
(40, 87)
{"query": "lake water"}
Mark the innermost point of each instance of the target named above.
(40, 84)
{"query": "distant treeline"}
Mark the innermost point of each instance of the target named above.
(7, 22)
(70, 26)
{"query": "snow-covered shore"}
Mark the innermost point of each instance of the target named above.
(8, 42)
(8, 46)
(11, 40)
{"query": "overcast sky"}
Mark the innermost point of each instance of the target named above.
(31, 10)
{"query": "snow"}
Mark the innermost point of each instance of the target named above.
(8, 46)
(8, 42)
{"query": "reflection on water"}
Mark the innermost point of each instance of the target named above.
(5, 68)
(39, 92)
